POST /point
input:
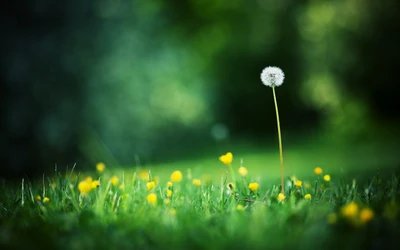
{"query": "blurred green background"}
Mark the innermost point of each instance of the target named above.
(146, 82)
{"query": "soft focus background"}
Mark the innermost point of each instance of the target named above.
(144, 82)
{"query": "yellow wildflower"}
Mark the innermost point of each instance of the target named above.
(152, 198)
(366, 215)
(176, 176)
(144, 175)
(84, 187)
(240, 207)
(38, 198)
(350, 209)
(196, 182)
(169, 184)
(307, 196)
(327, 177)
(150, 185)
(46, 199)
(253, 186)
(332, 218)
(242, 171)
(308, 186)
(100, 167)
(281, 197)
(226, 158)
(53, 185)
(122, 186)
(169, 193)
(318, 170)
(114, 180)
(298, 183)
(167, 202)
(95, 184)
(172, 211)
(89, 179)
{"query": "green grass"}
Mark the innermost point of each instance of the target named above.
(207, 217)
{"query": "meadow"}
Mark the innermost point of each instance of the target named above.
(200, 204)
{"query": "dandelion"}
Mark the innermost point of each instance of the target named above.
(144, 175)
(53, 185)
(38, 198)
(150, 185)
(332, 218)
(196, 182)
(84, 187)
(89, 179)
(240, 207)
(169, 184)
(122, 186)
(226, 158)
(273, 77)
(349, 210)
(253, 186)
(281, 197)
(167, 202)
(308, 186)
(152, 198)
(100, 167)
(327, 177)
(307, 196)
(114, 180)
(242, 171)
(318, 170)
(169, 193)
(298, 183)
(176, 176)
(172, 211)
(46, 199)
(366, 215)
(95, 184)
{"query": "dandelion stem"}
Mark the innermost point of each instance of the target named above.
(279, 138)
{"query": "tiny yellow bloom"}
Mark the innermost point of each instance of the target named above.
(242, 171)
(176, 176)
(172, 211)
(332, 218)
(281, 197)
(150, 185)
(253, 186)
(307, 196)
(327, 177)
(53, 185)
(46, 199)
(366, 215)
(89, 179)
(152, 198)
(38, 198)
(196, 182)
(95, 184)
(122, 186)
(350, 209)
(318, 170)
(169, 193)
(308, 186)
(226, 158)
(114, 180)
(240, 207)
(84, 187)
(144, 175)
(169, 184)
(100, 167)
(298, 183)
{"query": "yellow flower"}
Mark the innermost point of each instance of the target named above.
(253, 186)
(281, 197)
(114, 180)
(84, 187)
(144, 175)
(172, 211)
(46, 199)
(240, 207)
(100, 167)
(150, 185)
(95, 184)
(308, 186)
(89, 179)
(307, 196)
(167, 201)
(318, 170)
(38, 198)
(169, 193)
(327, 177)
(350, 209)
(226, 158)
(53, 185)
(332, 218)
(298, 183)
(152, 198)
(122, 186)
(176, 176)
(242, 171)
(196, 182)
(169, 184)
(366, 215)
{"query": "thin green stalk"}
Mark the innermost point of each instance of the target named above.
(280, 139)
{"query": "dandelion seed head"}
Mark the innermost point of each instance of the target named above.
(272, 76)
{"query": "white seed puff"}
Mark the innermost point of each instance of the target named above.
(272, 76)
